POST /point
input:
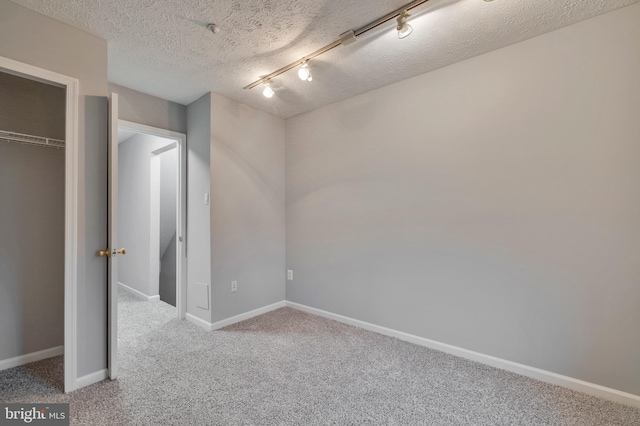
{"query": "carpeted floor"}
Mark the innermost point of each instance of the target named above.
(289, 367)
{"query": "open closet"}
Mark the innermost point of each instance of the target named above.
(32, 222)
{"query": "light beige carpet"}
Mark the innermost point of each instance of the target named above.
(289, 367)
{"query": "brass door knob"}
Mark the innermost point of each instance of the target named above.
(104, 253)
(121, 251)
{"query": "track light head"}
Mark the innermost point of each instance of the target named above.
(404, 29)
(304, 72)
(268, 91)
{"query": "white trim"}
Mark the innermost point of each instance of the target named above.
(72, 167)
(234, 319)
(139, 294)
(112, 238)
(181, 226)
(514, 367)
(92, 378)
(149, 130)
(247, 315)
(198, 321)
(31, 357)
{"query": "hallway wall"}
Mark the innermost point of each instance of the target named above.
(168, 236)
(149, 110)
(136, 268)
(247, 207)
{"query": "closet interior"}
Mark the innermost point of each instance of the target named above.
(32, 218)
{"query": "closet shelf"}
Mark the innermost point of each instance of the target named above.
(31, 140)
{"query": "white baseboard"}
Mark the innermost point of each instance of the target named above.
(514, 367)
(31, 357)
(139, 294)
(198, 321)
(92, 378)
(237, 318)
(247, 315)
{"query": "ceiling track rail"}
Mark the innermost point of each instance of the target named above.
(333, 45)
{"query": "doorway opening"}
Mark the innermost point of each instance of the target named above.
(151, 213)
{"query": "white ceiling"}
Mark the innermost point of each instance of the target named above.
(162, 47)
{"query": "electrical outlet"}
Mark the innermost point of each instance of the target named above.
(234, 286)
(290, 274)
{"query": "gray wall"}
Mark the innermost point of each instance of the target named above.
(168, 273)
(168, 196)
(168, 215)
(31, 262)
(61, 48)
(492, 204)
(141, 108)
(134, 210)
(31, 108)
(198, 214)
(247, 209)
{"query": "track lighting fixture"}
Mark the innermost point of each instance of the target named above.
(304, 72)
(404, 29)
(268, 91)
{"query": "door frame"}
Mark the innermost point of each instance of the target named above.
(181, 216)
(71, 212)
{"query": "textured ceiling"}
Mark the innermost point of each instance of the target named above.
(162, 47)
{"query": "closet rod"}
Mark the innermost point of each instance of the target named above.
(13, 137)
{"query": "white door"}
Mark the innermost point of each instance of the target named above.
(113, 238)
